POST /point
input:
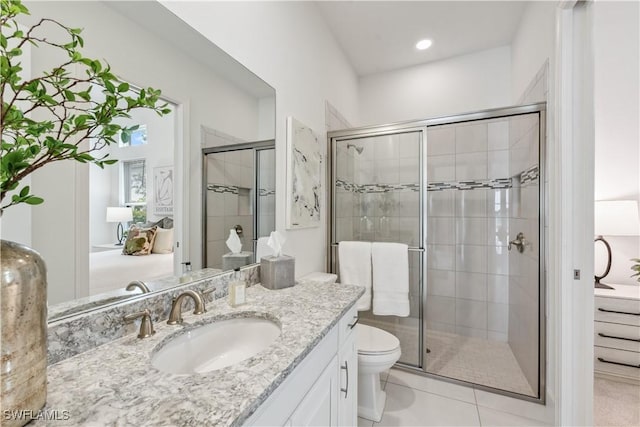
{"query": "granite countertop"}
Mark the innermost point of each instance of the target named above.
(115, 384)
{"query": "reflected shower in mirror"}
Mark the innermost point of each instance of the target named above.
(238, 198)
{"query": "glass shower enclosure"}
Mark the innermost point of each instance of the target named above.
(463, 192)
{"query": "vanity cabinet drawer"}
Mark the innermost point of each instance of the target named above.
(617, 310)
(613, 335)
(617, 362)
(348, 323)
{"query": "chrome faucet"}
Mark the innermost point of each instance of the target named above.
(146, 325)
(138, 284)
(175, 316)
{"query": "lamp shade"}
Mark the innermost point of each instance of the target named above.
(617, 218)
(119, 214)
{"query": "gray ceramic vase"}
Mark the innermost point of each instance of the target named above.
(23, 307)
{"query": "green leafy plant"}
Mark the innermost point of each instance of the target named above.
(80, 108)
(636, 267)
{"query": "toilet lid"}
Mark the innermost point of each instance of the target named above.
(375, 340)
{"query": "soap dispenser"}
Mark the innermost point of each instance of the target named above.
(186, 274)
(237, 291)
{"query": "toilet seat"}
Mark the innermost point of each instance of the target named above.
(374, 341)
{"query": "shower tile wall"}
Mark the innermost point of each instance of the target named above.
(468, 229)
(229, 183)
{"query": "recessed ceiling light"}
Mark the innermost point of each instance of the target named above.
(424, 44)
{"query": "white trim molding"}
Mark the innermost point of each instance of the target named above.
(571, 214)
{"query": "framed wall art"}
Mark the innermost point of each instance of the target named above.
(163, 191)
(304, 173)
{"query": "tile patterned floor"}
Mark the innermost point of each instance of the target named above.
(475, 360)
(478, 361)
(413, 400)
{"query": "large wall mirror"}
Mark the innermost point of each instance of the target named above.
(157, 180)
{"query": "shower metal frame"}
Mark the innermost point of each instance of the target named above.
(421, 126)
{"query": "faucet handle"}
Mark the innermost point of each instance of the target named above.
(146, 325)
(209, 291)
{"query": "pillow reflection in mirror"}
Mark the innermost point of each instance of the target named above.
(139, 241)
(163, 243)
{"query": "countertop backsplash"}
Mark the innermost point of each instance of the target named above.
(74, 335)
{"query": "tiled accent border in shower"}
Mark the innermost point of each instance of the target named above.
(530, 176)
(232, 189)
(527, 177)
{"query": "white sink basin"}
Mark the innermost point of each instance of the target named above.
(215, 345)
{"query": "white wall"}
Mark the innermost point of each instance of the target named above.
(473, 82)
(533, 44)
(60, 226)
(617, 119)
(289, 46)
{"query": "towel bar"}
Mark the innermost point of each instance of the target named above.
(411, 249)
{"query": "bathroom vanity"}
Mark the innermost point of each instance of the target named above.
(307, 375)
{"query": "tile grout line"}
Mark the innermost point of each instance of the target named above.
(434, 394)
(475, 397)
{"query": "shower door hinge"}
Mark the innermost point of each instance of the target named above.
(576, 274)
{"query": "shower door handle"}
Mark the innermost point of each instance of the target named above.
(519, 242)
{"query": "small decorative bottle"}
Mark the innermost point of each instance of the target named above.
(237, 292)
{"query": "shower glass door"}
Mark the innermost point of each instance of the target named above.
(239, 193)
(377, 196)
(483, 250)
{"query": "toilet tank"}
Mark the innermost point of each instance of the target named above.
(317, 276)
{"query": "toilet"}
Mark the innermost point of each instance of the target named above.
(378, 351)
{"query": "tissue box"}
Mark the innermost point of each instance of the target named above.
(232, 261)
(277, 272)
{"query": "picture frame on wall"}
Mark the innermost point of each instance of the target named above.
(304, 173)
(163, 191)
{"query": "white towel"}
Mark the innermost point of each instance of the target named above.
(262, 249)
(390, 279)
(355, 269)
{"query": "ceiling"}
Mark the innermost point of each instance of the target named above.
(380, 36)
(161, 22)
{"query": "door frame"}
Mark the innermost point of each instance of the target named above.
(571, 207)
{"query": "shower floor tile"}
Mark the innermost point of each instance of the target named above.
(476, 360)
